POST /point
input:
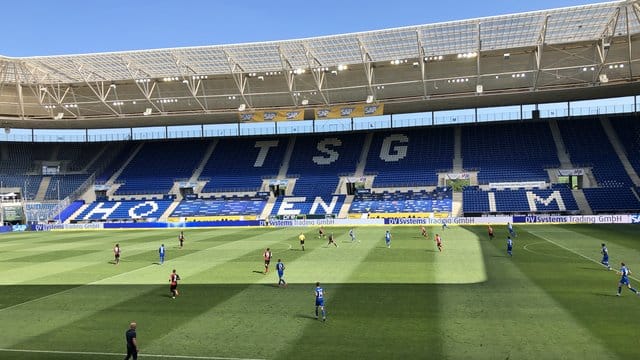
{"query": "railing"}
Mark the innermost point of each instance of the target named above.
(474, 115)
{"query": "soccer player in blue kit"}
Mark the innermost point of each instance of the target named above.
(387, 238)
(605, 256)
(280, 269)
(353, 235)
(510, 229)
(624, 280)
(319, 293)
(161, 252)
(509, 246)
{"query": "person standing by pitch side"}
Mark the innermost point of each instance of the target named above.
(132, 342)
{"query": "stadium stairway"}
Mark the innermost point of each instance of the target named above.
(42, 189)
(165, 216)
(99, 155)
(362, 163)
(344, 210)
(617, 147)
(561, 150)
(268, 208)
(457, 151)
(456, 204)
(581, 200)
(80, 210)
(203, 162)
(115, 175)
(492, 202)
(284, 168)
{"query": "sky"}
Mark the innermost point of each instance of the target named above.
(35, 28)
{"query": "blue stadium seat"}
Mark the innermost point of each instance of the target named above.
(124, 210)
(509, 152)
(439, 201)
(410, 158)
(244, 170)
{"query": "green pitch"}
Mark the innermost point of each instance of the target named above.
(61, 297)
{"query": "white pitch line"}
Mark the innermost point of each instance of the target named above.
(142, 355)
(573, 251)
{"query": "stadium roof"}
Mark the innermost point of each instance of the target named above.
(530, 57)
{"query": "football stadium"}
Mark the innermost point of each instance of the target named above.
(458, 190)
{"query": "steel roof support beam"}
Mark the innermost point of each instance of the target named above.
(144, 87)
(478, 49)
(318, 76)
(367, 61)
(289, 76)
(604, 43)
(193, 84)
(636, 10)
(423, 67)
(58, 95)
(237, 72)
(540, 51)
(20, 100)
(99, 90)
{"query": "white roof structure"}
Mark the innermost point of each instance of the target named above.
(540, 55)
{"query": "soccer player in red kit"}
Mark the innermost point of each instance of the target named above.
(438, 242)
(424, 232)
(490, 231)
(173, 283)
(116, 254)
(267, 259)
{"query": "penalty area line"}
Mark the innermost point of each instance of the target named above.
(573, 251)
(143, 355)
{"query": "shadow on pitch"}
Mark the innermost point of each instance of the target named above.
(590, 268)
(258, 272)
(306, 316)
(606, 294)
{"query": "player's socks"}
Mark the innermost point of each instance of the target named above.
(316, 313)
(619, 290)
(634, 290)
(324, 316)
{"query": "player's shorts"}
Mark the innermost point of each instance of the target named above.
(117, 256)
(509, 248)
(173, 287)
(266, 262)
(280, 274)
(319, 302)
(301, 242)
(624, 281)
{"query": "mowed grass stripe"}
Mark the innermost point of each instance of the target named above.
(135, 245)
(272, 318)
(588, 246)
(511, 316)
(57, 311)
(366, 310)
(94, 354)
(42, 240)
(17, 273)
